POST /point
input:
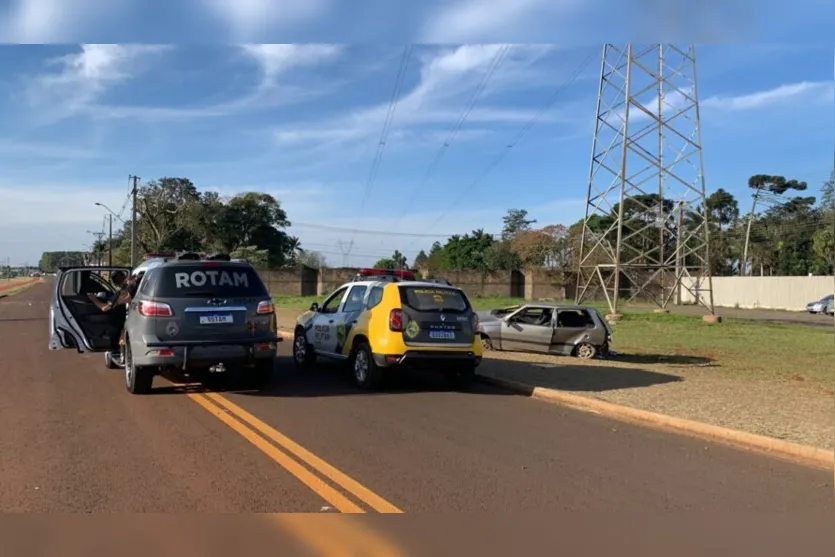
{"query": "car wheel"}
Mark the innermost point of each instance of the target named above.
(486, 343)
(585, 350)
(138, 380)
(367, 374)
(303, 353)
(109, 362)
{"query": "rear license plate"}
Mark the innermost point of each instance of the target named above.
(442, 335)
(215, 319)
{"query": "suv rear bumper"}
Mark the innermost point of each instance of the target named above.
(428, 359)
(188, 354)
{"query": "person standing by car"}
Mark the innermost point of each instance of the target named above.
(125, 290)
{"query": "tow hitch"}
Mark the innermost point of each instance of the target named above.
(218, 368)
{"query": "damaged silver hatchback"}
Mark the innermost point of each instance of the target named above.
(547, 328)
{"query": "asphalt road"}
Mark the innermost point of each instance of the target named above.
(73, 440)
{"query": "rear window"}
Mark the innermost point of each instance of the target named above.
(224, 281)
(434, 299)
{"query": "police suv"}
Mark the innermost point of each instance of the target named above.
(192, 317)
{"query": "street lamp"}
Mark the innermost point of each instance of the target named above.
(110, 242)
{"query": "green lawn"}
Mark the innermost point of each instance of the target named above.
(767, 350)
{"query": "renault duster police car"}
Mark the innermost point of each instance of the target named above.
(194, 317)
(384, 321)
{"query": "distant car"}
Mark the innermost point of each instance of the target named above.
(824, 305)
(193, 317)
(830, 306)
(545, 327)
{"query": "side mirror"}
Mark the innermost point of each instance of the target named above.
(314, 307)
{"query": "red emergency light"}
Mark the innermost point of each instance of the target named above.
(403, 274)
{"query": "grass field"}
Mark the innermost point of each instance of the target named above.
(737, 346)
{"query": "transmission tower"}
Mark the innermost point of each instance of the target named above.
(645, 232)
(345, 248)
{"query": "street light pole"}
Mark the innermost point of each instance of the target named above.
(110, 241)
(134, 188)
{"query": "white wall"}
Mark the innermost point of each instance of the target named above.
(789, 293)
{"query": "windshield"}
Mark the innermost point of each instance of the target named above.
(435, 299)
(226, 281)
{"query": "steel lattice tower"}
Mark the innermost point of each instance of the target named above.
(645, 232)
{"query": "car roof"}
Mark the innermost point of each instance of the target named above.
(399, 283)
(555, 305)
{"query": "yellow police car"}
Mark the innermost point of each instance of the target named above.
(387, 321)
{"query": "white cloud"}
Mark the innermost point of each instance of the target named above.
(85, 76)
(250, 18)
(275, 59)
(51, 21)
(815, 91)
(464, 21)
(445, 85)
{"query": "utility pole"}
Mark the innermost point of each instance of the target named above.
(345, 248)
(110, 241)
(133, 231)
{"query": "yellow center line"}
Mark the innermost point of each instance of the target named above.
(316, 484)
(336, 476)
(333, 535)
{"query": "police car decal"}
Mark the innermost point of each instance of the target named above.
(214, 278)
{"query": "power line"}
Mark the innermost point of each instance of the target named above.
(519, 135)
(325, 227)
(495, 62)
(378, 157)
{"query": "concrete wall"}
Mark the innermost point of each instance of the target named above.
(544, 284)
(788, 293)
(310, 282)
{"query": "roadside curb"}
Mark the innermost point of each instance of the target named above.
(803, 454)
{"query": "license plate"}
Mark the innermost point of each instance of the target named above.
(442, 335)
(215, 319)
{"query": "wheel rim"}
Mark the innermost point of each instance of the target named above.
(486, 344)
(300, 349)
(361, 366)
(585, 351)
(128, 367)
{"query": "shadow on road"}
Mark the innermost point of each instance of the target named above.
(570, 376)
(328, 379)
(678, 359)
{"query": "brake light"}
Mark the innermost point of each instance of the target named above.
(396, 320)
(265, 307)
(154, 309)
(475, 322)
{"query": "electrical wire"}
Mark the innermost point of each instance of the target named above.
(497, 60)
(378, 157)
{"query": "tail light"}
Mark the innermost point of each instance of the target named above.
(265, 307)
(154, 309)
(396, 320)
(475, 322)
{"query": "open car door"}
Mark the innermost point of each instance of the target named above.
(74, 320)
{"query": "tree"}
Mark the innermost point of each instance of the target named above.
(723, 214)
(312, 259)
(421, 259)
(396, 261)
(515, 221)
(256, 219)
(169, 212)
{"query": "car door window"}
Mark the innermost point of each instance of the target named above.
(574, 319)
(331, 305)
(354, 302)
(374, 297)
(534, 316)
(146, 283)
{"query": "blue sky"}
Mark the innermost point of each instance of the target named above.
(303, 123)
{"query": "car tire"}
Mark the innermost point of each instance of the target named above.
(138, 380)
(303, 354)
(109, 363)
(367, 374)
(585, 351)
(486, 343)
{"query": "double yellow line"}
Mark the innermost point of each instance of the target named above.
(322, 478)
